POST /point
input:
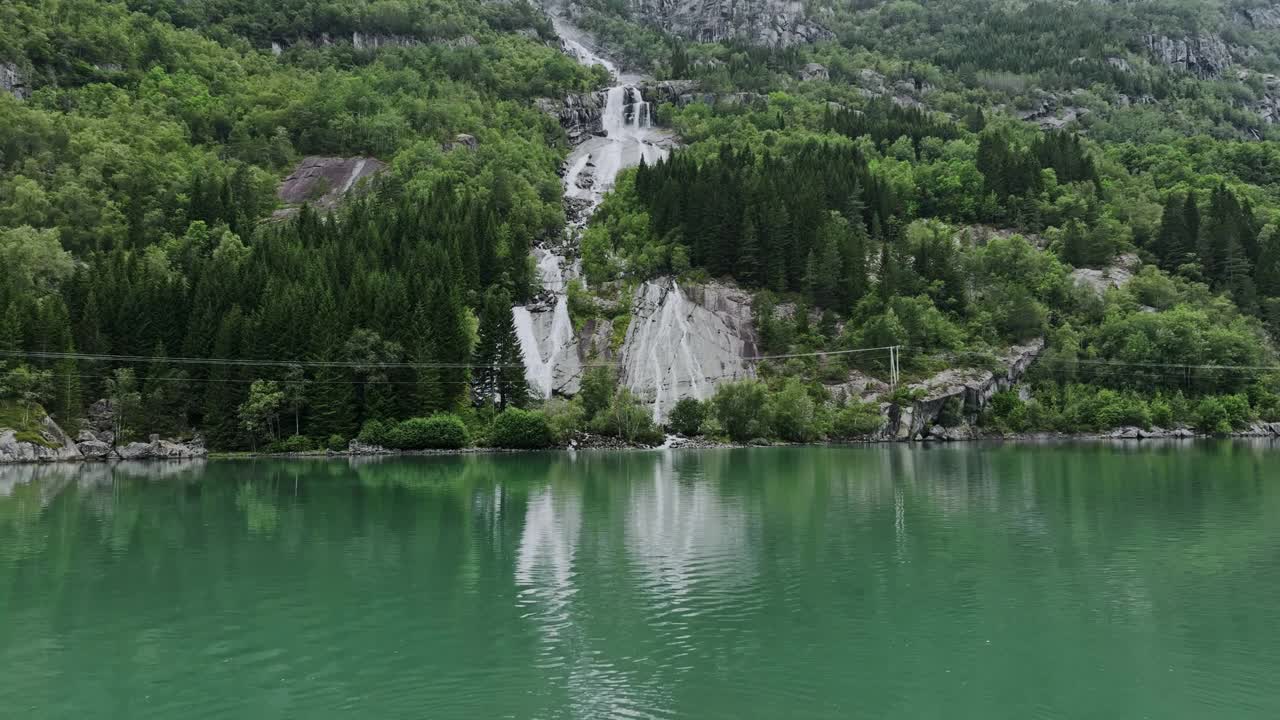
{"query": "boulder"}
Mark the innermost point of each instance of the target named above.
(55, 445)
(158, 449)
(94, 450)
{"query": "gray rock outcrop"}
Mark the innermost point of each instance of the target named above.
(1205, 56)
(373, 41)
(157, 449)
(776, 23)
(685, 340)
(56, 445)
(461, 141)
(13, 81)
(1258, 18)
(813, 71)
(968, 390)
(581, 116)
(325, 181)
(1116, 275)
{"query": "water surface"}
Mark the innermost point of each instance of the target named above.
(1091, 581)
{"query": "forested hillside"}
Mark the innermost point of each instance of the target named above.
(956, 178)
(145, 153)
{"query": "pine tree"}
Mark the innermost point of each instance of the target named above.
(1174, 241)
(498, 373)
(10, 335)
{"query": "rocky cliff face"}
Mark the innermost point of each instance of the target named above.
(1259, 18)
(684, 341)
(969, 389)
(769, 22)
(12, 81)
(1205, 56)
(687, 92)
(581, 116)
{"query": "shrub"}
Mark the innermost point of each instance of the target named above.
(1117, 410)
(856, 420)
(1211, 416)
(565, 417)
(292, 444)
(336, 443)
(626, 418)
(375, 432)
(520, 429)
(792, 413)
(441, 431)
(1008, 411)
(687, 417)
(740, 408)
(1161, 413)
(1239, 414)
(598, 384)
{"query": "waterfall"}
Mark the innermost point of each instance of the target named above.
(547, 339)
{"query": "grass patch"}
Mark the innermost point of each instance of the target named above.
(11, 416)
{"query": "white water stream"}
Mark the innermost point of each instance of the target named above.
(546, 334)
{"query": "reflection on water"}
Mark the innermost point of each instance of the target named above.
(894, 581)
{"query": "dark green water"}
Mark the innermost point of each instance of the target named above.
(881, 582)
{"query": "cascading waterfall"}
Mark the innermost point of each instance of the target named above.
(546, 334)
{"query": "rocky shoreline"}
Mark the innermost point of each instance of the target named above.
(90, 448)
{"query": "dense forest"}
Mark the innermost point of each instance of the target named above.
(906, 199)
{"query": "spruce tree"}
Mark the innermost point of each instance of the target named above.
(498, 373)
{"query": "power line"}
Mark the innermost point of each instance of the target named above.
(348, 364)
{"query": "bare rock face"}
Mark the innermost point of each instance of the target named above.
(581, 116)
(857, 388)
(325, 181)
(684, 341)
(12, 81)
(776, 23)
(1259, 18)
(158, 449)
(813, 71)
(1113, 276)
(57, 445)
(461, 141)
(366, 41)
(970, 389)
(1205, 56)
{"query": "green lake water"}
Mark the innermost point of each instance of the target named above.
(956, 581)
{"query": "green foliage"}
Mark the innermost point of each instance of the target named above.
(596, 390)
(687, 417)
(336, 443)
(24, 420)
(293, 444)
(856, 421)
(520, 429)
(442, 431)
(741, 409)
(626, 418)
(792, 413)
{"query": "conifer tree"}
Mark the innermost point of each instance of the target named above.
(497, 372)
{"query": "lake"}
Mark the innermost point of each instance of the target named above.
(895, 581)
